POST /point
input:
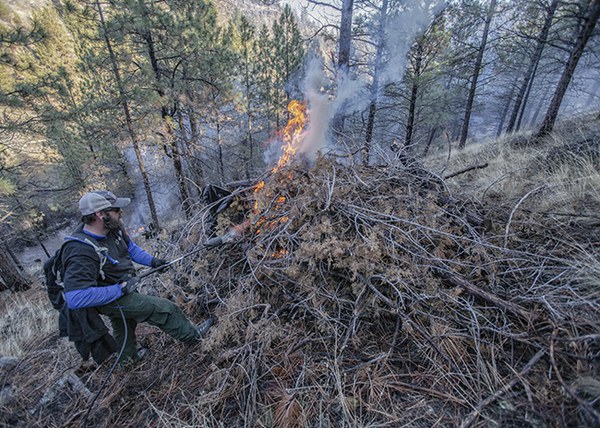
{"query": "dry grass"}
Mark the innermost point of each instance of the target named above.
(25, 318)
(565, 169)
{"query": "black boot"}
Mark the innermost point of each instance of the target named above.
(203, 327)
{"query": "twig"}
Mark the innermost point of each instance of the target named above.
(429, 391)
(489, 297)
(472, 417)
(471, 168)
(537, 189)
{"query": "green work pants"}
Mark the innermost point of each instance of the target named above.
(138, 308)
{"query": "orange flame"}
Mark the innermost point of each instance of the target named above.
(292, 133)
(292, 137)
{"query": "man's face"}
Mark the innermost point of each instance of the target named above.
(112, 218)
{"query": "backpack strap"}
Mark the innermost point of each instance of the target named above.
(102, 252)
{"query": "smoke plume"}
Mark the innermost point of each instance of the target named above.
(352, 93)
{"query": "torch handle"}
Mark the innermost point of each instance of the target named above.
(211, 243)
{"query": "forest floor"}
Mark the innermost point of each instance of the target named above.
(403, 294)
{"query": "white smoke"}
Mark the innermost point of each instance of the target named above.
(402, 29)
(320, 108)
(351, 93)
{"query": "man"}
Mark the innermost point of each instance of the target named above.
(98, 273)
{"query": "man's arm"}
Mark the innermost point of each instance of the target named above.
(139, 255)
(93, 296)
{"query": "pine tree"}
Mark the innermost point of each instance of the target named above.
(287, 58)
(265, 73)
(475, 75)
(128, 119)
(246, 44)
(590, 19)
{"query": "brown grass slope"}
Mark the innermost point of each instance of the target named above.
(382, 296)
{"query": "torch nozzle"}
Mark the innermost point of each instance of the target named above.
(214, 242)
(217, 241)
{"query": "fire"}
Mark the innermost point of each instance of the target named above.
(292, 136)
(257, 189)
(292, 133)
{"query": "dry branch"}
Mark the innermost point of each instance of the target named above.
(462, 171)
(358, 297)
(510, 307)
(472, 417)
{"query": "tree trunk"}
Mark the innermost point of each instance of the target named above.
(129, 122)
(345, 35)
(505, 111)
(193, 154)
(220, 147)
(185, 139)
(477, 70)
(10, 277)
(525, 100)
(343, 59)
(249, 140)
(530, 74)
(565, 79)
(178, 167)
(412, 107)
(375, 86)
(430, 138)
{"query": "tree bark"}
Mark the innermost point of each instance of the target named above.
(193, 154)
(430, 138)
(129, 122)
(10, 277)
(375, 85)
(476, 71)
(343, 58)
(220, 150)
(565, 79)
(412, 107)
(525, 100)
(530, 74)
(505, 111)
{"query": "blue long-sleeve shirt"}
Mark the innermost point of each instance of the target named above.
(84, 285)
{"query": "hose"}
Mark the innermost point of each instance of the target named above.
(85, 420)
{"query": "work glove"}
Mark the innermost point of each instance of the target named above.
(129, 286)
(156, 263)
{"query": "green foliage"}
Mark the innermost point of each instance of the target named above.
(287, 57)
(7, 188)
(5, 12)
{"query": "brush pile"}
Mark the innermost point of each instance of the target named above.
(361, 297)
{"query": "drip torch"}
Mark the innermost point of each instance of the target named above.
(215, 242)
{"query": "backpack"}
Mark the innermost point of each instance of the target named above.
(53, 270)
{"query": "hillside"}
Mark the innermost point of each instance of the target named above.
(391, 295)
(24, 8)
